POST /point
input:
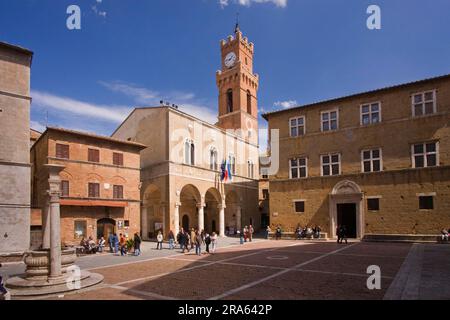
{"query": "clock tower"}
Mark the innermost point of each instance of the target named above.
(238, 87)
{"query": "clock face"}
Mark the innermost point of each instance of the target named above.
(230, 59)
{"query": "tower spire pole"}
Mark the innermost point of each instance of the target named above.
(236, 29)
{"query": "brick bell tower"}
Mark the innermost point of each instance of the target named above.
(238, 87)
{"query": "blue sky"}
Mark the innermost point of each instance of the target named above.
(135, 53)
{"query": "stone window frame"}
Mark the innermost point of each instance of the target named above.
(330, 164)
(370, 113)
(250, 169)
(427, 195)
(423, 102)
(213, 159)
(118, 159)
(424, 154)
(118, 190)
(371, 160)
(297, 126)
(99, 193)
(189, 152)
(75, 229)
(329, 120)
(94, 155)
(63, 189)
(298, 167)
(231, 156)
(372, 198)
(295, 201)
(62, 154)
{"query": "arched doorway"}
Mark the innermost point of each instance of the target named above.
(190, 199)
(212, 200)
(105, 227)
(233, 213)
(346, 208)
(185, 222)
(152, 213)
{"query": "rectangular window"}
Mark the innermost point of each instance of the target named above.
(331, 164)
(424, 103)
(62, 151)
(426, 203)
(298, 168)
(64, 188)
(93, 155)
(94, 190)
(373, 204)
(118, 192)
(370, 113)
(265, 193)
(425, 155)
(80, 228)
(297, 126)
(117, 159)
(299, 206)
(371, 160)
(329, 120)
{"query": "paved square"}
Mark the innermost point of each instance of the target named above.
(263, 270)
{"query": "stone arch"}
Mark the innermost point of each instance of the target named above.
(93, 177)
(152, 211)
(213, 199)
(118, 180)
(65, 175)
(190, 199)
(346, 187)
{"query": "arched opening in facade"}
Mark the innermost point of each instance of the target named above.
(229, 101)
(213, 199)
(190, 199)
(185, 222)
(233, 215)
(152, 213)
(105, 227)
(346, 209)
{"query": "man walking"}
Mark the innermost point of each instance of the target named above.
(137, 244)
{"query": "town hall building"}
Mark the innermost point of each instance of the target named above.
(181, 171)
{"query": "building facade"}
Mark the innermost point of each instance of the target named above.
(100, 183)
(377, 162)
(181, 174)
(15, 69)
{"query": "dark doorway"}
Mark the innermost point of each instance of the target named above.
(213, 226)
(105, 227)
(346, 216)
(185, 222)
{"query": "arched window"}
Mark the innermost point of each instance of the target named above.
(213, 164)
(250, 169)
(229, 100)
(232, 162)
(249, 102)
(189, 152)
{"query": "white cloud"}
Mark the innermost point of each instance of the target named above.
(278, 3)
(186, 101)
(35, 125)
(286, 104)
(110, 113)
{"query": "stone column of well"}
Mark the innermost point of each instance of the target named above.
(55, 219)
(238, 218)
(201, 216)
(222, 220)
(144, 222)
(46, 225)
(176, 218)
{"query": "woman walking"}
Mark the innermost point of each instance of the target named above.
(137, 244)
(213, 242)
(198, 243)
(160, 239)
(171, 240)
(207, 241)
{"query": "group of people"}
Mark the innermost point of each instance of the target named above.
(246, 234)
(307, 232)
(120, 244)
(90, 246)
(196, 239)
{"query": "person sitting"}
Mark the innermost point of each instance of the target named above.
(444, 235)
(91, 246)
(309, 232)
(101, 244)
(317, 231)
(278, 233)
(298, 232)
(4, 294)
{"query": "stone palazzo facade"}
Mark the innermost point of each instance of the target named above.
(377, 162)
(15, 65)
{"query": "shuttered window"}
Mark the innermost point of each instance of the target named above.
(62, 151)
(64, 188)
(118, 192)
(94, 190)
(118, 159)
(93, 155)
